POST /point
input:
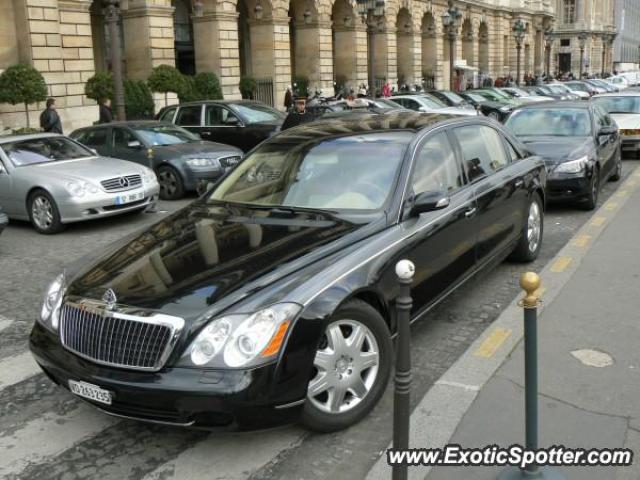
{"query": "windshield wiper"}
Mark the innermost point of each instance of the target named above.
(291, 209)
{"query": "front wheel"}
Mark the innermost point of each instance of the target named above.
(44, 213)
(530, 242)
(171, 186)
(617, 174)
(351, 368)
(594, 190)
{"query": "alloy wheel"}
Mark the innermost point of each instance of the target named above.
(533, 226)
(42, 212)
(168, 182)
(346, 365)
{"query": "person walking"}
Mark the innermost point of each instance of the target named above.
(49, 118)
(288, 99)
(106, 115)
(298, 115)
(386, 90)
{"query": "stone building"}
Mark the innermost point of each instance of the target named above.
(626, 48)
(275, 41)
(587, 25)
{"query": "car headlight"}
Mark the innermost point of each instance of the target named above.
(79, 188)
(148, 177)
(50, 312)
(203, 162)
(246, 340)
(574, 166)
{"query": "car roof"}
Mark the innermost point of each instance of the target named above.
(128, 123)
(581, 104)
(29, 136)
(222, 102)
(368, 123)
(623, 93)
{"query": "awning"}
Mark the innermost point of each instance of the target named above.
(465, 67)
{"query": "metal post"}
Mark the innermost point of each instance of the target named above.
(112, 14)
(452, 83)
(581, 61)
(530, 283)
(518, 48)
(401, 401)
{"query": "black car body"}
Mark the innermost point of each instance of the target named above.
(459, 196)
(182, 161)
(241, 123)
(580, 144)
(4, 220)
(496, 110)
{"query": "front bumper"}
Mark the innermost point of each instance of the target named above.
(197, 178)
(568, 186)
(190, 397)
(630, 143)
(106, 204)
(4, 221)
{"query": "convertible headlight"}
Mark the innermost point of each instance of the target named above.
(237, 341)
(574, 166)
(50, 312)
(203, 162)
(78, 189)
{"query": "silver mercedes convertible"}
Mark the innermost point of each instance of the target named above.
(52, 180)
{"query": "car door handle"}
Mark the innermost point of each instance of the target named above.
(519, 183)
(470, 212)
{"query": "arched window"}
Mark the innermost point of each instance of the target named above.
(569, 11)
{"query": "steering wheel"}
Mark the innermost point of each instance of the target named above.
(379, 195)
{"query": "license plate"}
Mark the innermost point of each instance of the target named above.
(129, 198)
(92, 392)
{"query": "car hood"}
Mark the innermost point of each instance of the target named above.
(556, 150)
(197, 148)
(627, 120)
(209, 254)
(93, 169)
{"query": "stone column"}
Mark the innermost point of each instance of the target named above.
(348, 52)
(362, 54)
(148, 37)
(313, 55)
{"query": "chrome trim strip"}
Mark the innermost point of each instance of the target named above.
(142, 419)
(292, 404)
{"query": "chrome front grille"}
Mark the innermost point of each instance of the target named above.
(230, 161)
(118, 339)
(121, 184)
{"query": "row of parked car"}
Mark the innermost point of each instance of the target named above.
(54, 180)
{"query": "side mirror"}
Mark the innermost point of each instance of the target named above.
(607, 130)
(232, 121)
(134, 144)
(430, 201)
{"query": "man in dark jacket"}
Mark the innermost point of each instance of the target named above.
(106, 116)
(49, 118)
(298, 116)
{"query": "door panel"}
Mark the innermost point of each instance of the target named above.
(223, 126)
(8, 197)
(121, 149)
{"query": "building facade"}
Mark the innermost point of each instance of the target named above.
(584, 32)
(626, 48)
(280, 41)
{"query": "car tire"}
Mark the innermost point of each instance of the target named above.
(530, 241)
(594, 186)
(617, 174)
(351, 373)
(171, 185)
(43, 213)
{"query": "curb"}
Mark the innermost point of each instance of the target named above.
(436, 417)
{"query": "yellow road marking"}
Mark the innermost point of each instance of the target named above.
(492, 343)
(561, 264)
(581, 240)
(610, 206)
(598, 221)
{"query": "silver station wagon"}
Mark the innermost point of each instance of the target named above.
(51, 180)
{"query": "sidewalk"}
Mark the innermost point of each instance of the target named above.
(588, 403)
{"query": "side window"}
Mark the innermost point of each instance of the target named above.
(122, 137)
(606, 118)
(436, 168)
(599, 118)
(189, 116)
(216, 115)
(94, 138)
(167, 116)
(482, 150)
(412, 104)
(513, 154)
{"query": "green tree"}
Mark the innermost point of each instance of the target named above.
(22, 84)
(138, 100)
(100, 87)
(189, 92)
(207, 85)
(165, 79)
(248, 87)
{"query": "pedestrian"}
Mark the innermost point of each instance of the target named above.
(49, 118)
(363, 91)
(106, 115)
(288, 99)
(298, 115)
(386, 90)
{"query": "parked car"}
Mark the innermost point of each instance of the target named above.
(542, 91)
(497, 95)
(451, 99)
(51, 180)
(427, 103)
(582, 88)
(525, 96)
(579, 142)
(241, 123)
(4, 220)
(496, 110)
(605, 87)
(270, 300)
(182, 161)
(562, 89)
(624, 108)
(619, 81)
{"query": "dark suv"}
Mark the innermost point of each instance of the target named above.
(242, 123)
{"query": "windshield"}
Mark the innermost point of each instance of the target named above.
(454, 97)
(622, 104)
(475, 97)
(433, 102)
(556, 122)
(44, 150)
(160, 135)
(355, 172)
(384, 103)
(581, 87)
(256, 113)
(491, 95)
(558, 89)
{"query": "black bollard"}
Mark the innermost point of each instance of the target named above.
(530, 283)
(401, 401)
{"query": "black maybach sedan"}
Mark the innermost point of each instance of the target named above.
(271, 298)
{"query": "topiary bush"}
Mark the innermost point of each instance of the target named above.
(248, 87)
(22, 84)
(189, 92)
(138, 100)
(100, 87)
(207, 86)
(165, 79)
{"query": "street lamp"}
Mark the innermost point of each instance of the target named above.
(582, 41)
(519, 29)
(112, 16)
(548, 37)
(370, 12)
(451, 21)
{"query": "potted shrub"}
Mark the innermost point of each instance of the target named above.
(248, 87)
(22, 84)
(207, 85)
(165, 79)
